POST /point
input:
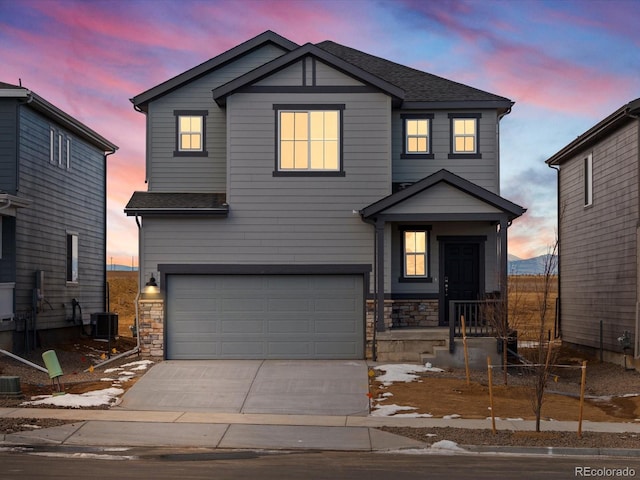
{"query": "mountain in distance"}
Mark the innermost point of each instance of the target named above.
(532, 266)
(121, 268)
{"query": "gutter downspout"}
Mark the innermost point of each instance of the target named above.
(558, 333)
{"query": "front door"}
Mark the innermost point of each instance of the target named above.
(461, 279)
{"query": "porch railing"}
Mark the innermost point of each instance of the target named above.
(478, 318)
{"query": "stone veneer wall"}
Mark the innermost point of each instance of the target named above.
(401, 313)
(151, 327)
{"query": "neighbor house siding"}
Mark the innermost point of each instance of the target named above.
(481, 171)
(8, 145)
(63, 201)
(167, 172)
(598, 243)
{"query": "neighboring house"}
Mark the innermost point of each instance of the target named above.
(299, 195)
(598, 219)
(52, 218)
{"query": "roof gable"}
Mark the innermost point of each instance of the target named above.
(178, 81)
(418, 193)
(221, 93)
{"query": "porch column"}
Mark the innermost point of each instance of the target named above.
(504, 264)
(380, 275)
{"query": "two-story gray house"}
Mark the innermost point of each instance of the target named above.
(52, 218)
(598, 219)
(301, 195)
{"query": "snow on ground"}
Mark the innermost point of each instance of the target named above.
(403, 372)
(95, 398)
(387, 410)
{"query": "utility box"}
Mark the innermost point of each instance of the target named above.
(104, 324)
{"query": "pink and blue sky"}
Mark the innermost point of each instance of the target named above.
(566, 63)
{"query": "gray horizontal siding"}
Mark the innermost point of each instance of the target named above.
(598, 244)
(286, 220)
(8, 145)
(481, 171)
(62, 201)
(195, 174)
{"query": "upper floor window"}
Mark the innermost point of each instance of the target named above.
(588, 180)
(190, 132)
(465, 141)
(309, 140)
(416, 243)
(59, 149)
(417, 135)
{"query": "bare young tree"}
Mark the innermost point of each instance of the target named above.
(544, 355)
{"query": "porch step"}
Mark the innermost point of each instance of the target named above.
(478, 349)
(408, 345)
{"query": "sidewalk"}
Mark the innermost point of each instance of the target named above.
(127, 428)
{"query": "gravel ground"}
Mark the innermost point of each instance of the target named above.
(74, 358)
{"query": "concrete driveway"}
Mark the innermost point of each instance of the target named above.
(296, 387)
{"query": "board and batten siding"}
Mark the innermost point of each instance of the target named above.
(481, 171)
(598, 243)
(63, 201)
(169, 173)
(286, 220)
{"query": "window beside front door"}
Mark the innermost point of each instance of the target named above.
(190, 132)
(309, 140)
(416, 259)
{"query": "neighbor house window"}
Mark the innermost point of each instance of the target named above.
(190, 132)
(588, 180)
(417, 135)
(72, 257)
(416, 262)
(68, 154)
(52, 146)
(464, 136)
(309, 140)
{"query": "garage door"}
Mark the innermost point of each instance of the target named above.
(265, 316)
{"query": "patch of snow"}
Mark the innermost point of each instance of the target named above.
(447, 445)
(107, 379)
(387, 394)
(451, 417)
(26, 425)
(388, 410)
(92, 456)
(402, 372)
(139, 364)
(95, 398)
(515, 419)
(627, 395)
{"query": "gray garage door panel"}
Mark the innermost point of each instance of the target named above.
(265, 316)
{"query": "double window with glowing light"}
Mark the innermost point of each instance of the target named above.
(309, 140)
(416, 130)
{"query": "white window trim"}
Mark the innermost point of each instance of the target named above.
(75, 254)
(588, 180)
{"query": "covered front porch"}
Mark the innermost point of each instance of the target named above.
(440, 253)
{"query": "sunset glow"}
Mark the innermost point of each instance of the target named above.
(567, 65)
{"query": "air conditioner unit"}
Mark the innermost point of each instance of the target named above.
(104, 324)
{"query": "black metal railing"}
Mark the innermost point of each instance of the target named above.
(478, 315)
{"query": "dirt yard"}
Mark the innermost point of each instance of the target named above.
(612, 393)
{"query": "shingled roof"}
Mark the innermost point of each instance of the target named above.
(161, 203)
(420, 87)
